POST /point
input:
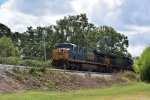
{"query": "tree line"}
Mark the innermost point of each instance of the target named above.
(75, 29)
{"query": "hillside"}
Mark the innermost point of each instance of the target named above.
(51, 80)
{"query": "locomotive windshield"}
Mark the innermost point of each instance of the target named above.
(63, 45)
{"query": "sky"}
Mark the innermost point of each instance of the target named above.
(129, 17)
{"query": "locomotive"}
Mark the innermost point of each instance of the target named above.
(72, 57)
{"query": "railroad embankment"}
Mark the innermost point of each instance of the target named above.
(16, 79)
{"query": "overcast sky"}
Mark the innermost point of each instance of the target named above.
(130, 17)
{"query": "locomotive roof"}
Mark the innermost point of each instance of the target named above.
(67, 44)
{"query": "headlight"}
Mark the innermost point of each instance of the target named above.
(68, 48)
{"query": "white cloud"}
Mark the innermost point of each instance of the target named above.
(136, 50)
(19, 21)
(136, 29)
(84, 5)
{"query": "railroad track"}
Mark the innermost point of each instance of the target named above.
(8, 68)
(84, 73)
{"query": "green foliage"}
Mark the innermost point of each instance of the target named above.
(36, 63)
(51, 85)
(130, 76)
(4, 30)
(33, 63)
(7, 48)
(142, 66)
(33, 71)
(48, 63)
(43, 69)
(74, 29)
(16, 39)
(108, 40)
(31, 44)
(37, 71)
(10, 60)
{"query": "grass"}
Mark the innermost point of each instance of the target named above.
(138, 91)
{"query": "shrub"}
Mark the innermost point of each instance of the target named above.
(37, 63)
(10, 60)
(142, 66)
(51, 85)
(33, 71)
(131, 76)
(47, 63)
(37, 71)
(7, 48)
(42, 69)
(33, 63)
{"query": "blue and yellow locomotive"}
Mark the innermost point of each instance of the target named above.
(71, 56)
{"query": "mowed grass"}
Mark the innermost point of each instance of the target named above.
(138, 91)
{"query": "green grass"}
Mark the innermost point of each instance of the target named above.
(138, 91)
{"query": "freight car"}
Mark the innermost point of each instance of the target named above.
(73, 57)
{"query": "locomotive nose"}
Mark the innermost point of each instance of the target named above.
(60, 53)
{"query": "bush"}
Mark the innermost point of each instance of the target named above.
(7, 48)
(33, 63)
(37, 63)
(131, 76)
(142, 66)
(10, 60)
(33, 71)
(19, 61)
(47, 63)
(37, 71)
(43, 69)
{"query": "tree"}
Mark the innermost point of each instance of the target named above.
(71, 29)
(74, 29)
(51, 40)
(32, 42)
(142, 65)
(4, 30)
(16, 39)
(7, 48)
(108, 40)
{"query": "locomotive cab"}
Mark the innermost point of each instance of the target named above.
(60, 54)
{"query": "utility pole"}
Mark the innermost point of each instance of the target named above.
(44, 33)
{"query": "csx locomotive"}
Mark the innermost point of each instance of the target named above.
(71, 56)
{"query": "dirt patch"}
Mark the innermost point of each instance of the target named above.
(9, 85)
